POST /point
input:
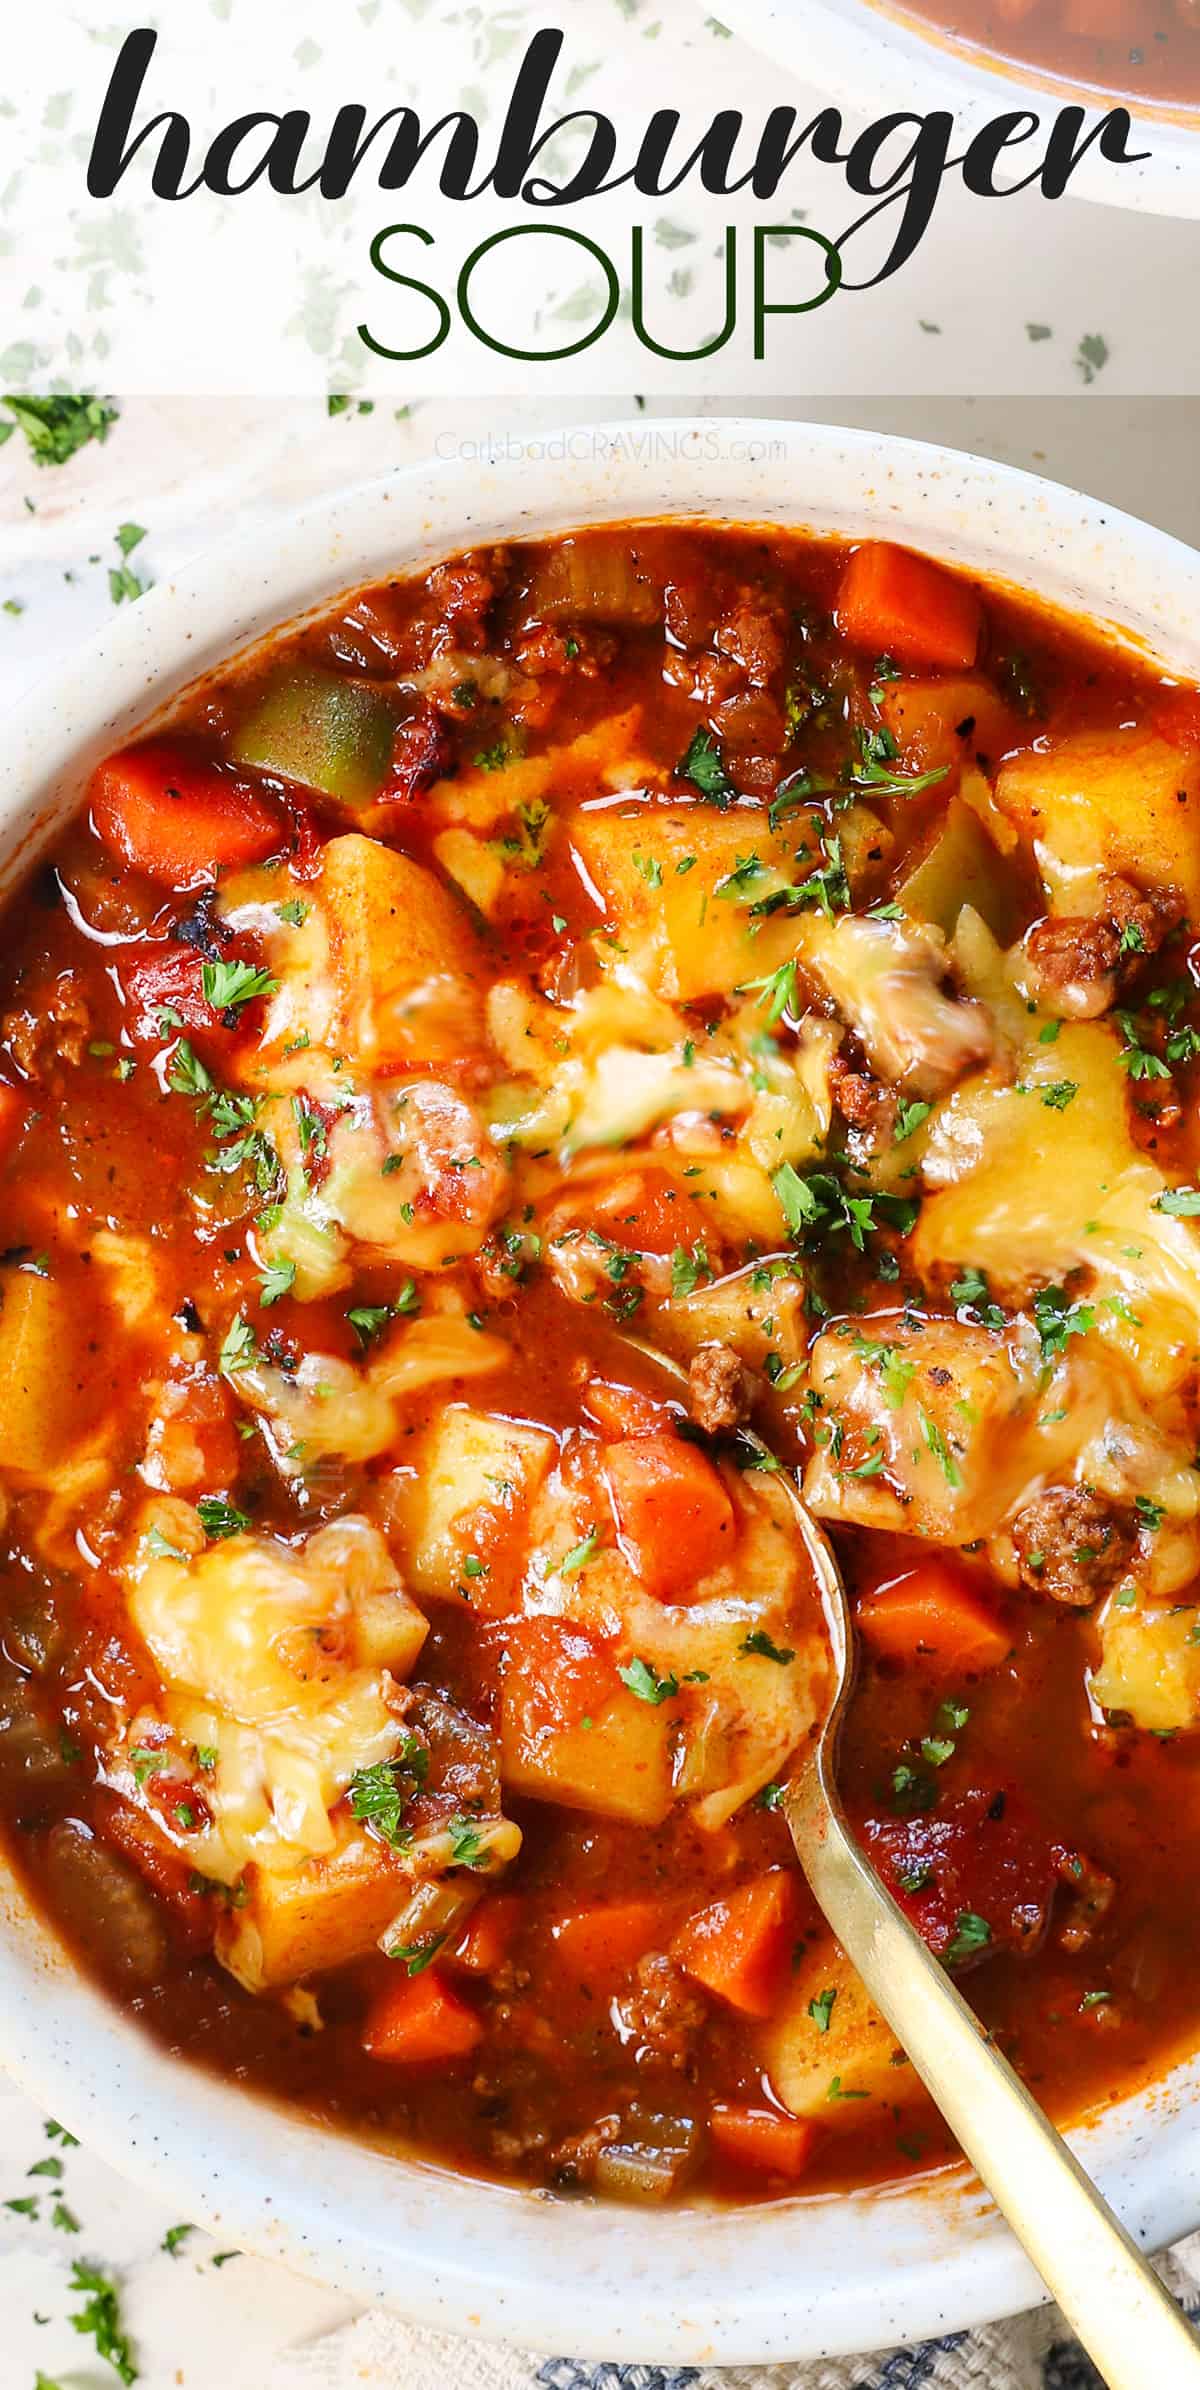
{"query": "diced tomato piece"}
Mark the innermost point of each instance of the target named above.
(761, 2140)
(569, 1673)
(602, 1945)
(179, 819)
(168, 978)
(1177, 716)
(891, 602)
(673, 1514)
(420, 2021)
(14, 1113)
(740, 1947)
(624, 1410)
(933, 1617)
(193, 1441)
(982, 1856)
(488, 1934)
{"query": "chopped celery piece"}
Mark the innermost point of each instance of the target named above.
(320, 730)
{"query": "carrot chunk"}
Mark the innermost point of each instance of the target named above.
(487, 1936)
(600, 1945)
(739, 1948)
(933, 1615)
(891, 602)
(673, 1514)
(624, 1410)
(177, 819)
(419, 2020)
(761, 2140)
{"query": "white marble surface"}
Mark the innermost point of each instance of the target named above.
(182, 468)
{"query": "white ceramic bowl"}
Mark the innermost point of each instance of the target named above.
(574, 2278)
(873, 62)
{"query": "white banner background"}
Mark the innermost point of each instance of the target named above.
(263, 293)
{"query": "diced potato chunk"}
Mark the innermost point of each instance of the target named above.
(327, 1912)
(857, 2049)
(606, 757)
(474, 1478)
(476, 866)
(617, 1765)
(1118, 801)
(1150, 1667)
(929, 1419)
(40, 1399)
(666, 875)
(962, 867)
(1036, 1179)
(396, 936)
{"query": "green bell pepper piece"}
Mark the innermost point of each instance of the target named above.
(320, 730)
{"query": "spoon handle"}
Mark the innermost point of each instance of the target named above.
(1114, 2302)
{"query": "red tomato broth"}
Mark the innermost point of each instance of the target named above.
(114, 1051)
(1133, 49)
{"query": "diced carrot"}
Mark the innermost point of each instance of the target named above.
(487, 1936)
(645, 1212)
(761, 2140)
(13, 1115)
(932, 1615)
(602, 1944)
(739, 1948)
(177, 819)
(624, 1410)
(673, 1514)
(891, 602)
(569, 1673)
(418, 2020)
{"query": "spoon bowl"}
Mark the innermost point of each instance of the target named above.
(1106, 2288)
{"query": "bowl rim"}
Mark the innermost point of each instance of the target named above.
(862, 55)
(864, 2272)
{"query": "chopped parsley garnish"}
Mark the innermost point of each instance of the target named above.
(275, 1281)
(220, 1518)
(1058, 1319)
(579, 1558)
(646, 1683)
(971, 1935)
(1180, 1203)
(1135, 1058)
(910, 1116)
(689, 1270)
(227, 986)
(414, 1957)
(239, 1347)
(100, 2319)
(294, 912)
(821, 2010)
(776, 993)
(970, 1291)
(379, 1795)
(467, 1846)
(174, 2238)
(704, 766)
(759, 1643)
(56, 427)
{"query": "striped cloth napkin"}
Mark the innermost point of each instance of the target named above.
(1034, 2352)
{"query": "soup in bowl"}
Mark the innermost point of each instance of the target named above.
(472, 1064)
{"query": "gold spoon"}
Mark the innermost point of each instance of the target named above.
(1114, 2302)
